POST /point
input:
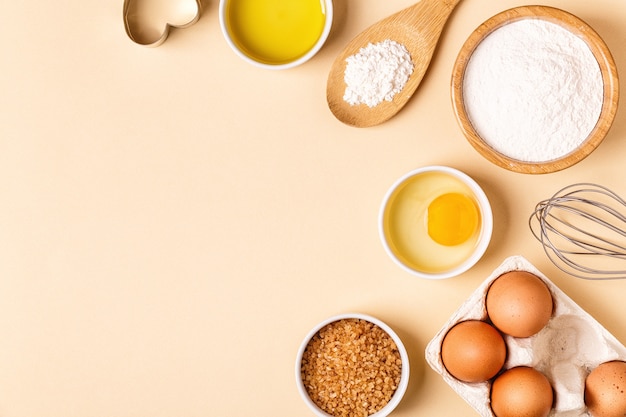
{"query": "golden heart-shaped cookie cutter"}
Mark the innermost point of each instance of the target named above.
(138, 15)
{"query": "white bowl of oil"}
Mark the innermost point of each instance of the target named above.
(276, 34)
(435, 222)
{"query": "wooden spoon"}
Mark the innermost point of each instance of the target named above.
(418, 28)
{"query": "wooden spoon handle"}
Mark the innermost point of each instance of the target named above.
(427, 18)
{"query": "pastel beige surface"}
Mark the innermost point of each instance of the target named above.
(174, 220)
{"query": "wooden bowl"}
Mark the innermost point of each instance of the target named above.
(607, 68)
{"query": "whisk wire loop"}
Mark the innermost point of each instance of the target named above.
(582, 229)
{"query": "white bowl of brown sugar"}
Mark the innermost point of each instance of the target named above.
(352, 365)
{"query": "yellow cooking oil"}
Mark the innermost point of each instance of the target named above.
(275, 31)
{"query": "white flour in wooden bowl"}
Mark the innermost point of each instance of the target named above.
(533, 90)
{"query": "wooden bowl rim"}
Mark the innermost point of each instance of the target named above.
(602, 55)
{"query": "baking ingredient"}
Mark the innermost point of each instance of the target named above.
(351, 367)
(565, 351)
(521, 392)
(473, 351)
(605, 390)
(427, 231)
(377, 72)
(275, 31)
(533, 90)
(519, 303)
(452, 219)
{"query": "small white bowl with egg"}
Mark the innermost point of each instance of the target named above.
(435, 222)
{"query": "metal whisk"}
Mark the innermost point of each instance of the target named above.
(583, 231)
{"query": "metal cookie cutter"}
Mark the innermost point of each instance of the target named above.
(148, 22)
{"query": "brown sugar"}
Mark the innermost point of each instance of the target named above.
(351, 368)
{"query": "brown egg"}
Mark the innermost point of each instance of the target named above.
(519, 303)
(521, 392)
(473, 351)
(605, 390)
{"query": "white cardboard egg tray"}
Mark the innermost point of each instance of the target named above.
(565, 350)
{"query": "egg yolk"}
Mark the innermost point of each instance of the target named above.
(452, 219)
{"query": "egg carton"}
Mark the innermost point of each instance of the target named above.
(565, 350)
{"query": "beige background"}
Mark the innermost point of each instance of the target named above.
(173, 220)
